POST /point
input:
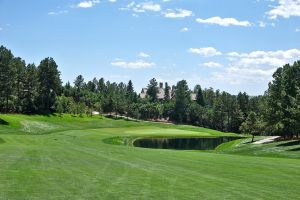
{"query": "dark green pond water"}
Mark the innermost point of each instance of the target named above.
(183, 143)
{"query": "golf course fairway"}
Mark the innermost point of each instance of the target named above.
(52, 157)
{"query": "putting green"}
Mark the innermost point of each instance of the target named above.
(67, 159)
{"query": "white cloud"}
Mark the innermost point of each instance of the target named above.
(237, 76)
(285, 8)
(213, 65)
(1, 29)
(58, 12)
(135, 15)
(151, 6)
(261, 24)
(269, 58)
(185, 29)
(143, 7)
(113, 1)
(206, 51)
(233, 54)
(223, 21)
(139, 64)
(131, 4)
(143, 55)
(256, 66)
(87, 4)
(178, 13)
(297, 30)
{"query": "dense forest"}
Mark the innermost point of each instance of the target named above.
(27, 88)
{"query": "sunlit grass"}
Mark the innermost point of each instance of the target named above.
(67, 158)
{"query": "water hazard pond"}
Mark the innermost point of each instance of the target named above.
(204, 143)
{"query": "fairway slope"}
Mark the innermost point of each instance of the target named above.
(71, 160)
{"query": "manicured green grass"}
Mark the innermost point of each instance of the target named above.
(67, 158)
(284, 149)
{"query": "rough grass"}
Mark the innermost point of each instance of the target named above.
(68, 159)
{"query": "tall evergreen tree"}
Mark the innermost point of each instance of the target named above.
(199, 96)
(79, 85)
(243, 101)
(152, 90)
(49, 84)
(182, 100)
(209, 97)
(68, 90)
(130, 91)
(30, 89)
(101, 86)
(18, 65)
(7, 76)
(167, 92)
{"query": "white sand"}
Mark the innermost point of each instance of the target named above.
(267, 140)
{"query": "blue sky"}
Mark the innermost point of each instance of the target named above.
(231, 45)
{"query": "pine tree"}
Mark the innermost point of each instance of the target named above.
(49, 84)
(152, 90)
(130, 91)
(199, 96)
(7, 76)
(79, 85)
(30, 89)
(252, 125)
(243, 102)
(167, 92)
(182, 100)
(19, 68)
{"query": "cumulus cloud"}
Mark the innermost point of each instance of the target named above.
(256, 66)
(223, 21)
(139, 64)
(285, 8)
(88, 4)
(206, 51)
(178, 13)
(270, 58)
(58, 12)
(143, 7)
(213, 65)
(261, 24)
(143, 55)
(185, 29)
(236, 75)
(150, 6)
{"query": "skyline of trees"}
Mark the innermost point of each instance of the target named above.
(38, 89)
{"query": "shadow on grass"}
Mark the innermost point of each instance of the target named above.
(45, 113)
(296, 149)
(249, 142)
(3, 122)
(1, 141)
(48, 114)
(291, 143)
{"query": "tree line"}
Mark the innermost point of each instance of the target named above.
(27, 88)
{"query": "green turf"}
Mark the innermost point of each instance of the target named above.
(284, 149)
(48, 157)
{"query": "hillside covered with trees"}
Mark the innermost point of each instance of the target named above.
(27, 88)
